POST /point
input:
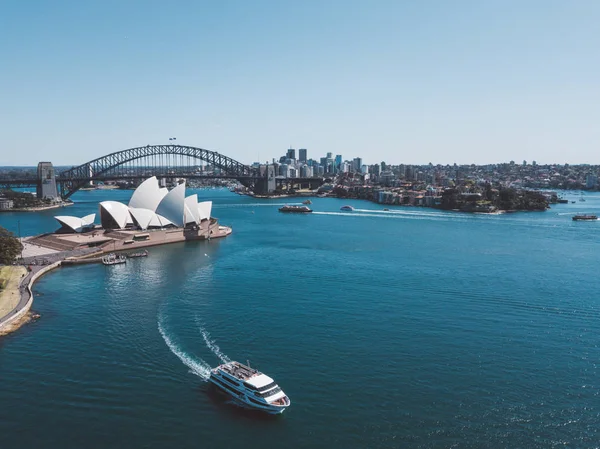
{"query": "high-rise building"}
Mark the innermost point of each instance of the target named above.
(591, 181)
(302, 155)
(357, 164)
(291, 153)
(338, 162)
(46, 181)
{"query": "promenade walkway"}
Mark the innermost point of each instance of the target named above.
(20, 289)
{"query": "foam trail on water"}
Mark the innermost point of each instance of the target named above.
(218, 206)
(210, 343)
(198, 367)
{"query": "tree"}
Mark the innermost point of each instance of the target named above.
(10, 247)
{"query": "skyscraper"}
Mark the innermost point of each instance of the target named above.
(302, 154)
(46, 181)
(291, 153)
(338, 161)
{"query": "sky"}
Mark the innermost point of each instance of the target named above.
(401, 81)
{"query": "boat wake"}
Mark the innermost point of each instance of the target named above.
(227, 206)
(211, 344)
(196, 366)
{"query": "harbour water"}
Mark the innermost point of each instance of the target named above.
(411, 328)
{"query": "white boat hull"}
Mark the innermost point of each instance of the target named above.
(245, 399)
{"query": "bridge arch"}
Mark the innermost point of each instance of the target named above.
(158, 160)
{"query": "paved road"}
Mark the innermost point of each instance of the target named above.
(24, 293)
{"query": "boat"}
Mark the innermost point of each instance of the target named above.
(249, 387)
(572, 202)
(562, 201)
(386, 210)
(347, 208)
(138, 254)
(307, 202)
(113, 259)
(297, 209)
(584, 217)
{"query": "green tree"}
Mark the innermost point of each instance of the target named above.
(10, 247)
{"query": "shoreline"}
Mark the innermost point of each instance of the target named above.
(21, 314)
(385, 205)
(37, 209)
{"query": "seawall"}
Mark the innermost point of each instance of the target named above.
(21, 310)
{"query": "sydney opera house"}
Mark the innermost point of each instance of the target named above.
(153, 216)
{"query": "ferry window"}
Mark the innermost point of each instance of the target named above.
(266, 387)
(270, 392)
(229, 380)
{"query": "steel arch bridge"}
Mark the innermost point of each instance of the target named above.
(154, 160)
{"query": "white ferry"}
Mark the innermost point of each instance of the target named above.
(113, 259)
(250, 387)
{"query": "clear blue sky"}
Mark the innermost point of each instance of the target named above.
(402, 81)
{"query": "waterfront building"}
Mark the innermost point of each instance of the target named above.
(6, 203)
(46, 181)
(152, 206)
(591, 181)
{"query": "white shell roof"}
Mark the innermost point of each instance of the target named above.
(118, 211)
(148, 195)
(74, 223)
(192, 214)
(204, 209)
(142, 217)
(259, 381)
(89, 219)
(159, 221)
(172, 206)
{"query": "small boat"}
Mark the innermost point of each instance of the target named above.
(347, 208)
(572, 202)
(138, 254)
(113, 259)
(584, 217)
(249, 387)
(307, 202)
(297, 209)
(386, 210)
(562, 201)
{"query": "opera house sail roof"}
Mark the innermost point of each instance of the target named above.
(76, 224)
(150, 206)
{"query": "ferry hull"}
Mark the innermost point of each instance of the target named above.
(242, 398)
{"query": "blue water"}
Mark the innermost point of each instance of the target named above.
(410, 328)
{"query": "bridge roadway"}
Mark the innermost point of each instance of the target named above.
(33, 182)
(164, 161)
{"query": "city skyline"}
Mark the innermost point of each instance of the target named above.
(402, 83)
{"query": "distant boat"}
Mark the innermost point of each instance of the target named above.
(138, 254)
(113, 259)
(386, 210)
(347, 208)
(584, 217)
(296, 209)
(307, 202)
